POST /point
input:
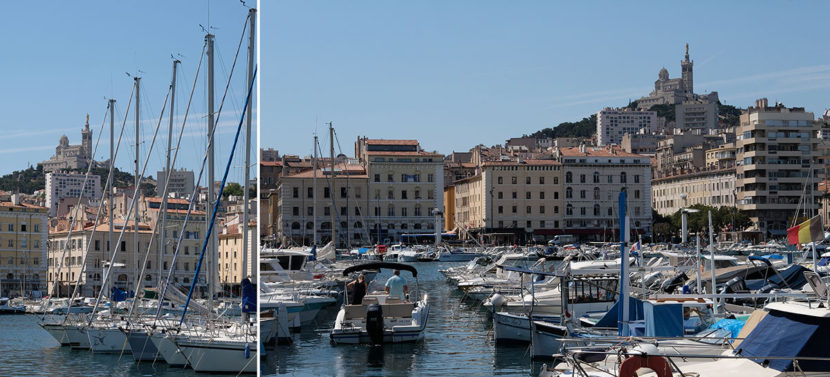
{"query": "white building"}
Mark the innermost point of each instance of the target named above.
(181, 182)
(63, 185)
(613, 123)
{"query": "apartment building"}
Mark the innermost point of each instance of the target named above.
(23, 238)
(231, 261)
(613, 123)
(523, 198)
(593, 179)
(776, 149)
(712, 187)
(181, 182)
(70, 186)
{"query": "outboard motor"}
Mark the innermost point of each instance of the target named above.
(669, 285)
(374, 323)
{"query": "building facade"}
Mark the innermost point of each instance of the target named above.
(776, 149)
(614, 123)
(697, 117)
(714, 188)
(63, 185)
(181, 183)
(23, 256)
(593, 179)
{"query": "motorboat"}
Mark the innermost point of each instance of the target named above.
(382, 318)
(7, 308)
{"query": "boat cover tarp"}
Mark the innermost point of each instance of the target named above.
(782, 334)
(733, 325)
(635, 313)
(327, 252)
(248, 296)
(793, 275)
(663, 320)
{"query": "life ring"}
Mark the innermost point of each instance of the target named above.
(658, 364)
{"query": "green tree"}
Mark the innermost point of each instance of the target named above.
(232, 188)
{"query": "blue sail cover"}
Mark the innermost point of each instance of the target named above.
(635, 312)
(248, 296)
(663, 320)
(784, 334)
(118, 295)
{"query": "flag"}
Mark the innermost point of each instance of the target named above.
(806, 232)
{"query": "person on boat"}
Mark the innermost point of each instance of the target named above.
(396, 285)
(358, 290)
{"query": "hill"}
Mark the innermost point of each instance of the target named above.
(33, 178)
(584, 128)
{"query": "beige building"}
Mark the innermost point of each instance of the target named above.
(776, 149)
(613, 124)
(593, 179)
(721, 157)
(405, 186)
(347, 204)
(523, 198)
(23, 237)
(231, 257)
(714, 188)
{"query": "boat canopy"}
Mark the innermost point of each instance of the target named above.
(380, 265)
(785, 334)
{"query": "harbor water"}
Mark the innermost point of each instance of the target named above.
(28, 350)
(458, 342)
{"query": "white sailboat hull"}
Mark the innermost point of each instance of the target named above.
(107, 340)
(57, 331)
(77, 337)
(168, 350)
(141, 346)
(220, 356)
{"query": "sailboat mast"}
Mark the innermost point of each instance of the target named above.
(333, 187)
(245, 194)
(164, 195)
(109, 186)
(137, 179)
(213, 268)
(314, 195)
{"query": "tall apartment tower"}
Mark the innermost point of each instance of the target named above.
(776, 148)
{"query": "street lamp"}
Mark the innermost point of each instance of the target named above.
(684, 225)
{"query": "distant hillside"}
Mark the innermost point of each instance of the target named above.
(584, 128)
(33, 178)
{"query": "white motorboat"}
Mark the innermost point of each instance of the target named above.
(382, 318)
(7, 308)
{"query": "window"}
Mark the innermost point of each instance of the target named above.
(295, 211)
(582, 211)
(596, 209)
(326, 192)
(609, 211)
(541, 194)
(596, 193)
(390, 195)
(404, 211)
(541, 180)
(37, 228)
(555, 180)
(377, 211)
(569, 193)
(357, 211)
(417, 194)
(556, 209)
(377, 177)
(501, 196)
(327, 211)
(500, 180)
(610, 178)
(582, 194)
(23, 227)
(403, 194)
(527, 210)
(514, 195)
(514, 180)
(390, 178)
(528, 225)
(417, 211)
(541, 209)
(344, 211)
(430, 178)
(636, 193)
(310, 211)
(343, 192)
(390, 211)
(501, 209)
(295, 192)
(582, 178)
(97, 245)
(569, 210)
(636, 178)
(527, 195)
(123, 245)
(542, 224)
(527, 180)
(622, 177)
(568, 177)
(514, 209)
(596, 177)
(310, 193)
(556, 194)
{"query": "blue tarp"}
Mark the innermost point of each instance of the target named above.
(313, 256)
(635, 312)
(779, 334)
(663, 320)
(733, 325)
(248, 296)
(363, 250)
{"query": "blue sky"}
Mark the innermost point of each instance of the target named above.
(454, 74)
(64, 59)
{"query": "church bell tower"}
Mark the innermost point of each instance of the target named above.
(686, 68)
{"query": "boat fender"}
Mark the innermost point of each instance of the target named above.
(660, 366)
(247, 351)
(497, 300)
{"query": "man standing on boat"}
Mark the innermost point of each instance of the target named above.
(396, 285)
